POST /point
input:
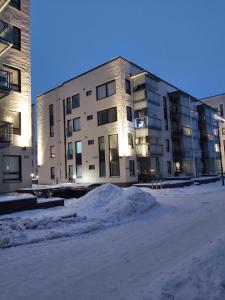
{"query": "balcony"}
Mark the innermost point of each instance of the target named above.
(5, 36)
(148, 122)
(6, 134)
(4, 83)
(156, 149)
(142, 150)
(3, 4)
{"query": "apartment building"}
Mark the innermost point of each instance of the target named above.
(119, 123)
(15, 96)
(218, 103)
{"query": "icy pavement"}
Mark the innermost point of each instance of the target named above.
(174, 251)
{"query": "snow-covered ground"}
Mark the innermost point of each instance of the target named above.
(175, 250)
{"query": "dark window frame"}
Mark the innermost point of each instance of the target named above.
(106, 121)
(106, 86)
(52, 153)
(19, 173)
(114, 152)
(91, 142)
(89, 117)
(75, 101)
(132, 167)
(52, 173)
(15, 5)
(51, 120)
(127, 87)
(129, 113)
(14, 87)
(74, 124)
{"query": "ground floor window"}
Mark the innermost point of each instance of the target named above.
(52, 172)
(12, 169)
(169, 167)
(132, 167)
(114, 163)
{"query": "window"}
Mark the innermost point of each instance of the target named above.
(88, 93)
(141, 140)
(129, 114)
(68, 106)
(169, 169)
(70, 173)
(78, 151)
(187, 131)
(90, 117)
(101, 149)
(221, 110)
(223, 131)
(167, 145)
(107, 116)
(217, 148)
(15, 119)
(70, 151)
(132, 167)
(12, 170)
(52, 151)
(51, 120)
(16, 38)
(114, 164)
(91, 142)
(15, 78)
(91, 167)
(52, 172)
(127, 86)
(15, 3)
(76, 101)
(69, 128)
(76, 124)
(130, 140)
(106, 90)
(165, 113)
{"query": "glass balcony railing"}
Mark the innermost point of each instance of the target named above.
(156, 149)
(6, 134)
(149, 122)
(5, 36)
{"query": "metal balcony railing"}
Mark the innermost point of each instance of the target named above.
(6, 134)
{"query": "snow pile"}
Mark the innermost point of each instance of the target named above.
(106, 205)
(111, 203)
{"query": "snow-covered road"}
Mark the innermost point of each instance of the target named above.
(176, 251)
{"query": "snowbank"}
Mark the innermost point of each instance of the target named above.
(106, 205)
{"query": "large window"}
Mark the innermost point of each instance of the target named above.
(51, 120)
(107, 116)
(68, 106)
(15, 3)
(70, 151)
(130, 140)
(16, 38)
(129, 114)
(132, 167)
(69, 128)
(101, 149)
(15, 78)
(114, 163)
(12, 168)
(76, 101)
(52, 151)
(106, 90)
(78, 150)
(221, 110)
(52, 172)
(76, 124)
(165, 113)
(127, 86)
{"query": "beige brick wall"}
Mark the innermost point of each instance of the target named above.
(20, 102)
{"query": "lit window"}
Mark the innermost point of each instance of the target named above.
(187, 131)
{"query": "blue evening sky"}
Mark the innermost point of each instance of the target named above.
(181, 41)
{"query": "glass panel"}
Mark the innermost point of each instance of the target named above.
(78, 147)
(101, 92)
(111, 88)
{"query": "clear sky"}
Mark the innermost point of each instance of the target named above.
(181, 41)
